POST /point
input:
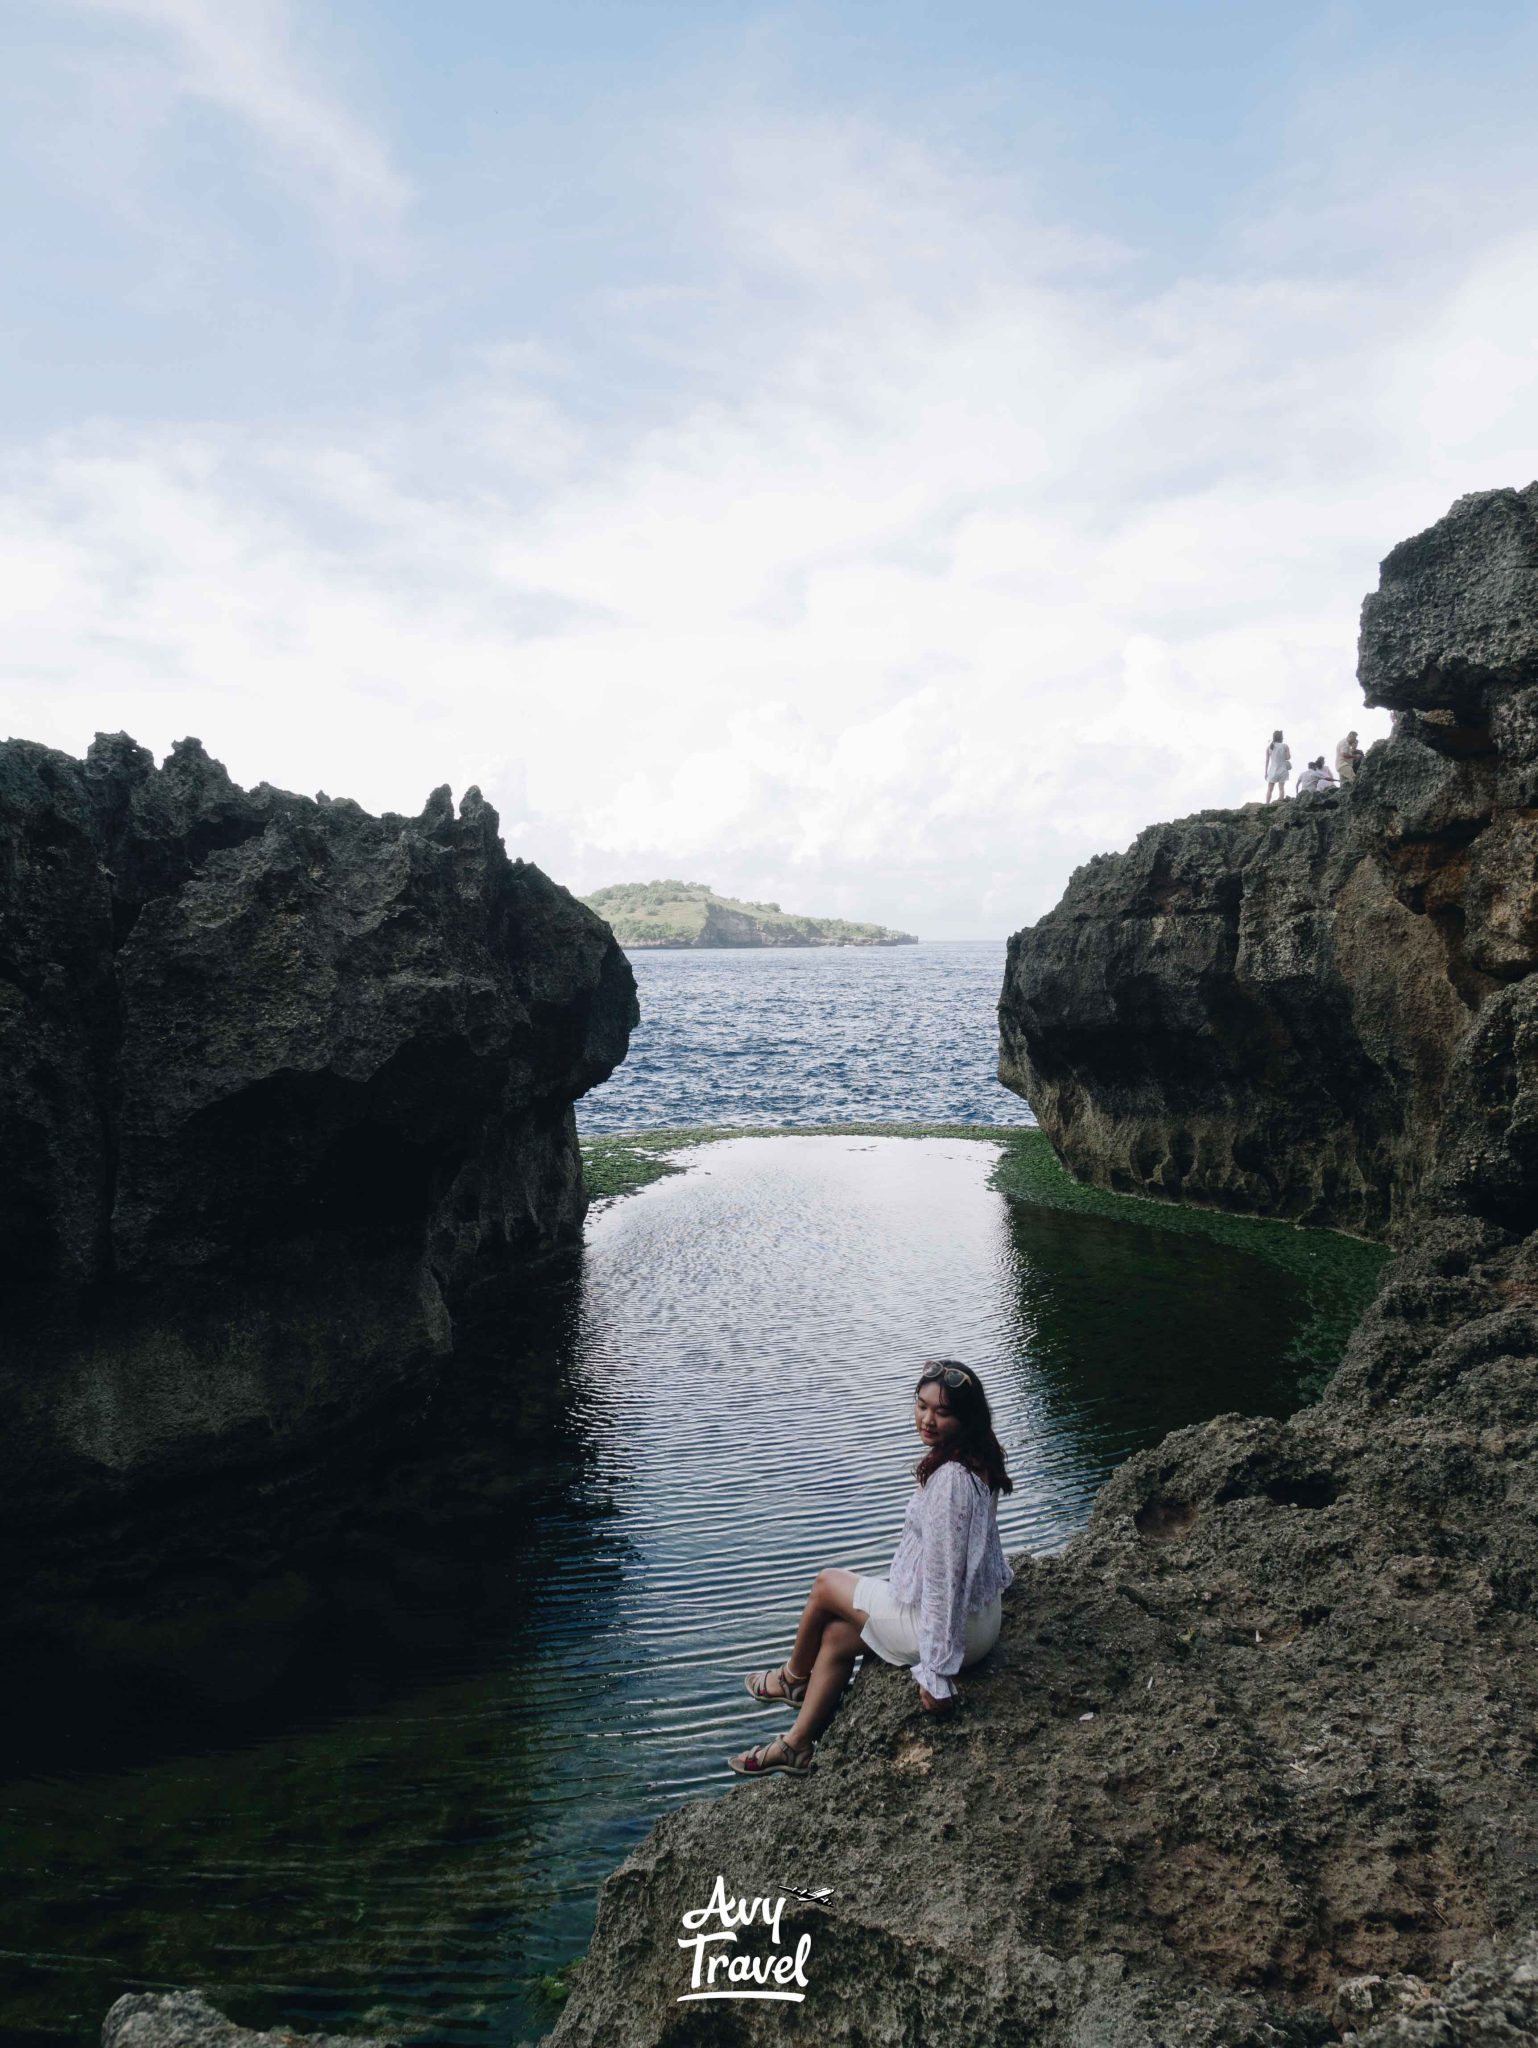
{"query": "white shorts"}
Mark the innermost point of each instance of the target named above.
(893, 1628)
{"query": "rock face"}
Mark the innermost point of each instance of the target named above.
(1264, 1009)
(185, 2019)
(1255, 1760)
(285, 1094)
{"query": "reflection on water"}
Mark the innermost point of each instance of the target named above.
(442, 1702)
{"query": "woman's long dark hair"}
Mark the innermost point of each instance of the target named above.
(974, 1444)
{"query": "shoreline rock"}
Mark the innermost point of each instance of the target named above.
(285, 1103)
(186, 2019)
(1262, 1008)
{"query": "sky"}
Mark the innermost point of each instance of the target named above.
(869, 457)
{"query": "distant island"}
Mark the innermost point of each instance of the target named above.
(650, 914)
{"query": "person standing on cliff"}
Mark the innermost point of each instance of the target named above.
(1278, 765)
(1348, 758)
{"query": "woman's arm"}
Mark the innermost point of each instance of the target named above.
(951, 1500)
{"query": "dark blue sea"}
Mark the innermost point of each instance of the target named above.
(838, 1034)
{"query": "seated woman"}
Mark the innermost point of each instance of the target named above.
(937, 1611)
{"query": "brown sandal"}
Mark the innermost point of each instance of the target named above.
(792, 1689)
(795, 1760)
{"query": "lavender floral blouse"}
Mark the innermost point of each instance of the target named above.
(949, 1564)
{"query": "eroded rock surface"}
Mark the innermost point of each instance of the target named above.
(285, 1096)
(1256, 1759)
(1262, 1008)
(1490, 2003)
(186, 2019)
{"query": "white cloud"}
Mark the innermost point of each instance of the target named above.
(987, 561)
(238, 56)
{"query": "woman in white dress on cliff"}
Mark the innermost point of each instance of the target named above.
(1278, 765)
(937, 1610)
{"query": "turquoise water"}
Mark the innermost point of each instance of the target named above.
(366, 1762)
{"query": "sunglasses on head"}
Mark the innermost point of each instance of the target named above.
(952, 1375)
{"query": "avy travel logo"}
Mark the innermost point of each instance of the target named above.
(731, 1972)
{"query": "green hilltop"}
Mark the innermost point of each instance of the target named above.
(643, 914)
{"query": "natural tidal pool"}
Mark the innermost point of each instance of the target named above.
(367, 1769)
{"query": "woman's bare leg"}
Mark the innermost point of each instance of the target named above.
(829, 1641)
(831, 1598)
(837, 1655)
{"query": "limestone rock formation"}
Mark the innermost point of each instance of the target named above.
(1256, 1759)
(285, 1094)
(186, 2019)
(1262, 1008)
(1490, 2003)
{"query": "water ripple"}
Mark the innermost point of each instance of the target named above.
(731, 1378)
(849, 1034)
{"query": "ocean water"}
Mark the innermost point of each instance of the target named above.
(836, 1034)
(366, 1768)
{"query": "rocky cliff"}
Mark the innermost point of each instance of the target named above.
(1263, 1008)
(1255, 1761)
(285, 1095)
